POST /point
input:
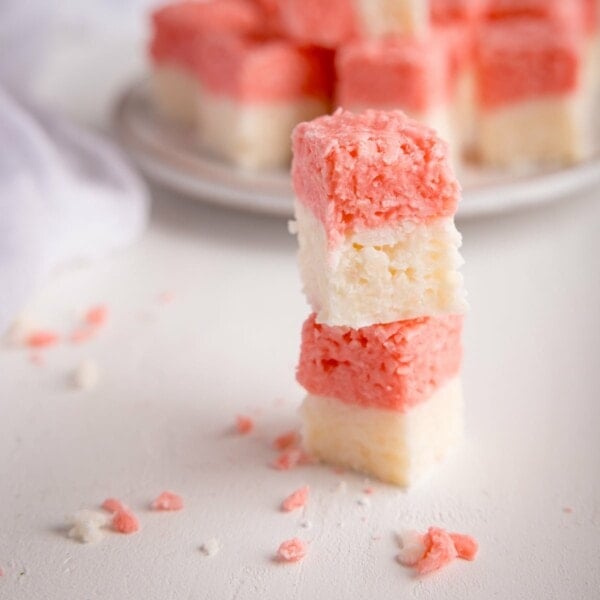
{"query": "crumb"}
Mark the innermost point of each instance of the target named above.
(466, 546)
(86, 375)
(1, 572)
(41, 339)
(306, 524)
(124, 521)
(288, 459)
(567, 510)
(210, 547)
(412, 548)
(243, 424)
(18, 330)
(368, 491)
(341, 487)
(113, 505)
(363, 501)
(439, 551)
(96, 315)
(292, 550)
(167, 501)
(166, 297)
(87, 526)
(297, 499)
(287, 440)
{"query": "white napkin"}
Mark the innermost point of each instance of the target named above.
(65, 195)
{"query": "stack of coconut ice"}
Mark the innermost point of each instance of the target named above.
(505, 81)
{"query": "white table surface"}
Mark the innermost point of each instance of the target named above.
(174, 376)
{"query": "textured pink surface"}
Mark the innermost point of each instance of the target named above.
(545, 9)
(167, 501)
(439, 551)
(243, 424)
(42, 339)
(407, 73)
(297, 499)
(522, 59)
(124, 521)
(393, 366)
(317, 22)
(360, 171)
(250, 68)
(292, 550)
(466, 546)
(443, 11)
(177, 26)
(113, 505)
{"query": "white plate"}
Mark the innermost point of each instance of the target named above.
(171, 155)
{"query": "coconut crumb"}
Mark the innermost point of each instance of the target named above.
(306, 524)
(293, 550)
(96, 316)
(435, 549)
(1, 572)
(124, 521)
(567, 510)
(287, 440)
(364, 501)
(288, 459)
(166, 297)
(113, 505)
(19, 330)
(86, 375)
(369, 491)
(87, 526)
(210, 547)
(244, 424)
(41, 338)
(167, 501)
(297, 499)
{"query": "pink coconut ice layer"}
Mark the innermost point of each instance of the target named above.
(444, 11)
(362, 171)
(544, 9)
(252, 93)
(334, 22)
(533, 92)
(177, 26)
(408, 73)
(394, 366)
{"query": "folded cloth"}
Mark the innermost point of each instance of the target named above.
(65, 195)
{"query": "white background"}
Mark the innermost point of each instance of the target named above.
(174, 376)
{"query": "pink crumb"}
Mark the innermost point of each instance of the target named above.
(244, 424)
(369, 491)
(166, 297)
(96, 315)
(439, 551)
(297, 499)
(289, 459)
(41, 339)
(466, 546)
(124, 521)
(168, 501)
(567, 510)
(113, 505)
(292, 550)
(1, 572)
(286, 440)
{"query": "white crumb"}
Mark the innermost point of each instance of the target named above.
(364, 501)
(306, 524)
(292, 226)
(87, 526)
(210, 547)
(412, 547)
(19, 329)
(86, 375)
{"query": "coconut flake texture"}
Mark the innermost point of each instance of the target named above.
(297, 499)
(124, 521)
(168, 501)
(87, 526)
(86, 375)
(211, 547)
(293, 550)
